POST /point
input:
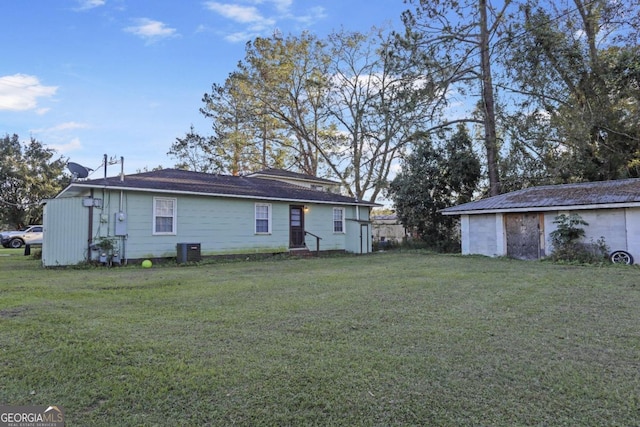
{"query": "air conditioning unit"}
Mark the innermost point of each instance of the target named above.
(188, 252)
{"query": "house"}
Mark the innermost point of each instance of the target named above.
(518, 224)
(388, 228)
(152, 215)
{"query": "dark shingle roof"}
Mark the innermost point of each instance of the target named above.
(280, 173)
(181, 181)
(624, 191)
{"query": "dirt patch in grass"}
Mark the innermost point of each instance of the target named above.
(13, 312)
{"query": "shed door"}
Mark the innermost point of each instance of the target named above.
(523, 235)
(296, 226)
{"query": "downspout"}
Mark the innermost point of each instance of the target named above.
(121, 180)
(124, 238)
(90, 238)
(358, 222)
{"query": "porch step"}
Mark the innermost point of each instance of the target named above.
(300, 252)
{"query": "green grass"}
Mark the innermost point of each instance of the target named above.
(391, 339)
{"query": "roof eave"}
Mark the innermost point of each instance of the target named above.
(235, 196)
(543, 208)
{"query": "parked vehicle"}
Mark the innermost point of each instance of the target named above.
(16, 239)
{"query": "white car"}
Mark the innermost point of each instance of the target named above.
(16, 239)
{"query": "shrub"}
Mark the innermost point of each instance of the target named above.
(384, 245)
(567, 245)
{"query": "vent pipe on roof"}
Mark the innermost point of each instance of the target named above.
(121, 168)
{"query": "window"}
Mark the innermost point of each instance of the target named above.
(338, 220)
(164, 215)
(263, 218)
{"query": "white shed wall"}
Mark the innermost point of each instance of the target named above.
(620, 228)
(633, 233)
(482, 235)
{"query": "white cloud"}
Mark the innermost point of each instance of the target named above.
(62, 127)
(283, 5)
(240, 37)
(72, 145)
(261, 17)
(314, 14)
(241, 14)
(151, 30)
(62, 137)
(21, 92)
(89, 4)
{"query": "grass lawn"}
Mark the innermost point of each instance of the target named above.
(388, 339)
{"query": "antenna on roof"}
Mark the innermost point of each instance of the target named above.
(113, 160)
(78, 171)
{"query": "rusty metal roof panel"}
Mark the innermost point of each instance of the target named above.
(622, 191)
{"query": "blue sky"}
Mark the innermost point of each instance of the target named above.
(126, 77)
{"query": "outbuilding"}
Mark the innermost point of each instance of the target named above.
(518, 224)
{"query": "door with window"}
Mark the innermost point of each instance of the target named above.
(296, 226)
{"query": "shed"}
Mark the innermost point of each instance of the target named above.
(153, 214)
(518, 224)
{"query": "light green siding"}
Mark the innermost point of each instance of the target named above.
(66, 232)
(220, 225)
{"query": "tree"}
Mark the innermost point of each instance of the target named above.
(377, 105)
(343, 108)
(28, 174)
(575, 65)
(434, 177)
(244, 139)
(267, 113)
(453, 41)
(461, 168)
(287, 79)
(193, 153)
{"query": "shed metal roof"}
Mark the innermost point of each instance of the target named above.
(587, 195)
(205, 184)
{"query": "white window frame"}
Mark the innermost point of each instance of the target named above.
(174, 216)
(343, 222)
(256, 218)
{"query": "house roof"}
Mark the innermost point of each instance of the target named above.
(390, 217)
(587, 195)
(178, 181)
(280, 173)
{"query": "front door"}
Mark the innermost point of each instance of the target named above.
(296, 226)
